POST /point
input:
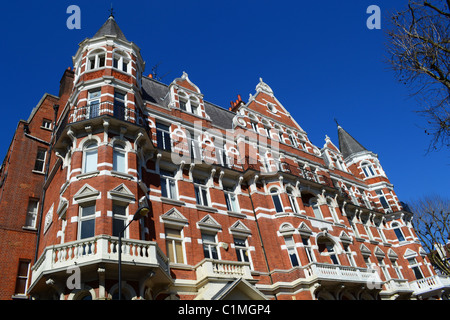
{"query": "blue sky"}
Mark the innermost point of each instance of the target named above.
(318, 56)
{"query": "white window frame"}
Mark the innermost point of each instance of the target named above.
(30, 221)
(121, 61)
(94, 99)
(292, 200)
(123, 218)
(120, 149)
(209, 244)
(201, 192)
(231, 199)
(82, 219)
(242, 251)
(314, 204)
(292, 250)
(368, 169)
(168, 179)
(308, 249)
(89, 147)
(96, 55)
(174, 240)
(39, 160)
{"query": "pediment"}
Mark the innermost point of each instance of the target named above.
(121, 193)
(409, 254)
(304, 229)
(239, 289)
(364, 250)
(86, 194)
(392, 254)
(240, 228)
(173, 216)
(345, 237)
(379, 253)
(208, 222)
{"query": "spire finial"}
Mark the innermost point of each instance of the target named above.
(111, 15)
(335, 120)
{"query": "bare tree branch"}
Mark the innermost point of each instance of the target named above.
(419, 49)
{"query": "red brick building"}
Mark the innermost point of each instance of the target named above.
(242, 204)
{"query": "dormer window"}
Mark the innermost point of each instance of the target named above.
(121, 62)
(189, 104)
(368, 169)
(96, 60)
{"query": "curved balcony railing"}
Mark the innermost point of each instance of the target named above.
(95, 110)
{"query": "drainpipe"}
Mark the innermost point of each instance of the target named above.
(260, 238)
(47, 166)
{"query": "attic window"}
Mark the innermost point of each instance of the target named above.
(121, 62)
(96, 60)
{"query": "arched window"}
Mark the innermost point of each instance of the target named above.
(327, 248)
(332, 210)
(121, 62)
(119, 158)
(316, 208)
(398, 231)
(368, 169)
(90, 155)
(96, 60)
(292, 200)
(276, 200)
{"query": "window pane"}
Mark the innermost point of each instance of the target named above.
(87, 211)
(20, 286)
(173, 233)
(214, 252)
(118, 161)
(101, 61)
(172, 190)
(118, 226)
(277, 203)
(90, 163)
(293, 257)
(206, 251)
(399, 234)
(182, 105)
(23, 269)
(164, 191)
(179, 251)
(119, 210)
(87, 228)
(197, 195)
(31, 213)
(40, 158)
(417, 273)
(204, 196)
(170, 251)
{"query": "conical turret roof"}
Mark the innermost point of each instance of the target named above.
(111, 28)
(347, 144)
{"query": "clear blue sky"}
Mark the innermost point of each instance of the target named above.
(318, 56)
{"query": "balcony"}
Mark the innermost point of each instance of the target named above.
(338, 273)
(98, 110)
(431, 286)
(137, 257)
(220, 269)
